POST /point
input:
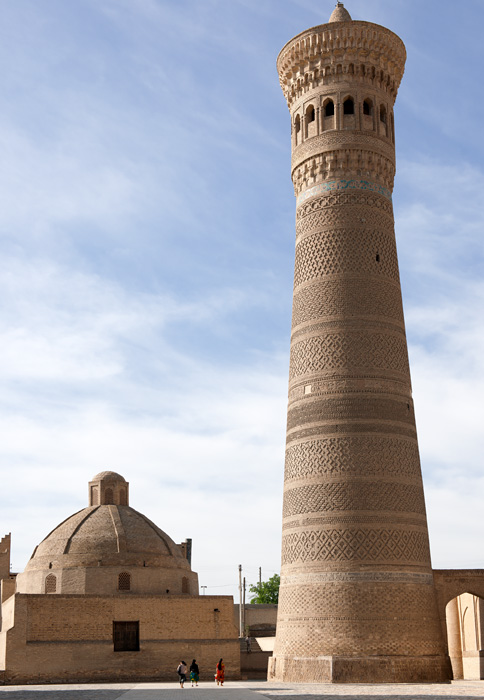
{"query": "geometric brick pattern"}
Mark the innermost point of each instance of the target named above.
(360, 544)
(344, 599)
(332, 637)
(354, 350)
(373, 495)
(332, 297)
(358, 251)
(353, 456)
(367, 201)
(331, 217)
(349, 408)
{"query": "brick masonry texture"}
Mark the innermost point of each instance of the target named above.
(109, 564)
(353, 496)
(53, 631)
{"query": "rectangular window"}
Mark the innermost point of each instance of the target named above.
(126, 636)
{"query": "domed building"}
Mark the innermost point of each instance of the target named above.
(108, 595)
(106, 548)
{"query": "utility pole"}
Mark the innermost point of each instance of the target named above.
(240, 601)
(260, 575)
(243, 617)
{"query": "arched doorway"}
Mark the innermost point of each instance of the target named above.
(465, 633)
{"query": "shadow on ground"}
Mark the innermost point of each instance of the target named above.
(97, 694)
(359, 696)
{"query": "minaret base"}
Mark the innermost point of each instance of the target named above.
(359, 669)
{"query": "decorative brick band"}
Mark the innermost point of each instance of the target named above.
(357, 577)
(361, 544)
(335, 185)
(354, 496)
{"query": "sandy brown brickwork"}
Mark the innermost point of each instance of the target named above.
(5, 557)
(353, 497)
(137, 557)
(53, 631)
(108, 596)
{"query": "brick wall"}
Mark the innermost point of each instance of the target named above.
(5, 557)
(70, 638)
(261, 619)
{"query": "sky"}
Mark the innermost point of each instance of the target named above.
(146, 265)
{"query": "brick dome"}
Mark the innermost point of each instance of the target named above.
(340, 14)
(108, 475)
(90, 549)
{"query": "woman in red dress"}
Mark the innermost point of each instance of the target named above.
(220, 672)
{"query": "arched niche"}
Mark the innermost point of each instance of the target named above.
(464, 618)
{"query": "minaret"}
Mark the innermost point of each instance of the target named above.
(357, 602)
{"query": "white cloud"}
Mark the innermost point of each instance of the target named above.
(439, 229)
(146, 203)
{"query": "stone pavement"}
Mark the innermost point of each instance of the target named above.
(243, 690)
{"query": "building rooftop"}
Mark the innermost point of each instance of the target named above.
(340, 14)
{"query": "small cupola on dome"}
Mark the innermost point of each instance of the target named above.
(108, 489)
(340, 14)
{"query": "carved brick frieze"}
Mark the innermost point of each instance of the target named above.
(358, 251)
(360, 296)
(347, 168)
(379, 351)
(352, 456)
(319, 409)
(337, 218)
(414, 599)
(335, 139)
(332, 637)
(353, 496)
(348, 386)
(318, 578)
(346, 198)
(360, 544)
(351, 52)
(336, 429)
(337, 520)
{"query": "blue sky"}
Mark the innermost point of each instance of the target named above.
(147, 247)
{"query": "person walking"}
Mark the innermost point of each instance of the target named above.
(220, 673)
(182, 672)
(194, 673)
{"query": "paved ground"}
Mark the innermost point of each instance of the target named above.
(243, 690)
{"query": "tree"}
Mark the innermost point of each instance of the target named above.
(266, 592)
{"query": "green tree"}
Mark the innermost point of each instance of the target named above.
(266, 592)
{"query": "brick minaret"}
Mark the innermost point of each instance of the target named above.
(357, 601)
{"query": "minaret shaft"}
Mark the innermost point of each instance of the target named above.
(357, 601)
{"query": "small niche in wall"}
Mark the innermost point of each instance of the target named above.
(348, 106)
(367, 107)
(310, 114)
(328, 108)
